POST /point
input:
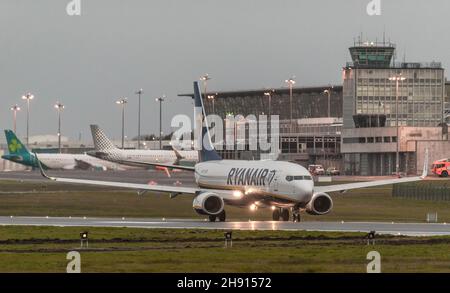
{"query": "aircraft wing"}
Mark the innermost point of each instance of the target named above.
(173, 190)
(136, 186)
(80, 164)
(146, 164)
(84, 165)
(348, 186)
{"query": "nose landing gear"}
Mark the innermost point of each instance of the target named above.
(296, 215)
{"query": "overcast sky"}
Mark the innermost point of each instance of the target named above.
(115, 47)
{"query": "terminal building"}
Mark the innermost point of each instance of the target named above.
(313, 134)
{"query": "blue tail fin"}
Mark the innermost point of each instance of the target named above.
(207, 151)
(15, 146)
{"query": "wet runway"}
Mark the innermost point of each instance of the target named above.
(410, 229)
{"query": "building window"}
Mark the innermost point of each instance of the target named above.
(394, 139)
(370, 140)
(387, 139)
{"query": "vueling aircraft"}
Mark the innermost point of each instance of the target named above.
(281, 186)
(106, 150)
(18, 153)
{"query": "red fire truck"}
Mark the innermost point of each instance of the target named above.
(441, 167)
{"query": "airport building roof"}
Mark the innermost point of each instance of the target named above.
(279, 91)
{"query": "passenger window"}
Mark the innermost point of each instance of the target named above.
(299, 177)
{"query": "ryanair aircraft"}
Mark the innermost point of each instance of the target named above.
(281, 186)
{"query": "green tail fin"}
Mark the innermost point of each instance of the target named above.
(15, 146)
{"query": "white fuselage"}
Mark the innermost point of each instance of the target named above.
(69, 161)
(128, 157)
(284, 182)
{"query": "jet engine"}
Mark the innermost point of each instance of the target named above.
(208, 203)
(320, 204)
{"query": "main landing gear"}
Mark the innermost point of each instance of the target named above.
(280, 214)
(222, 217)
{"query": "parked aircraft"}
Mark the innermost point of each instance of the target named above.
(106, 150)
(18, 153)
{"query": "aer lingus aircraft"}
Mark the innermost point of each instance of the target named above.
(282, 186)
(18, 153)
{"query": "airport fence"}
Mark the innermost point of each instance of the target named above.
(433, 192)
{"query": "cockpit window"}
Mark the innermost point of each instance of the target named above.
(289, 178)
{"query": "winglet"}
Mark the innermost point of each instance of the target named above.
(41, 169)
(425, 165)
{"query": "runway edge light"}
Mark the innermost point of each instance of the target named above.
(228, 238)
(84, 238)
(371, 237)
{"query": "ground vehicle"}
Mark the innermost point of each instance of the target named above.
(332, 171)
(316, 169)
(441, 167)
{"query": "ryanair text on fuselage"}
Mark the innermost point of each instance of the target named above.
(250, 176)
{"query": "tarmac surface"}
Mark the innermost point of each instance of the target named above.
(410, 229)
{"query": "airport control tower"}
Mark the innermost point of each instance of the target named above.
(372, 55)
(369, 92)
(380, 118)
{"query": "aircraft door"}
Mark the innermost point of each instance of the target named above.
(275, 183)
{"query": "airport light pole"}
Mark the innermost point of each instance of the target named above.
(15, 109)
(397, 78)
(290, 82)
(160, 100)
(28, 97)
(139, 93)
(269, 94)
(212, 98)
(122, 102)
(205, 79)
(59, 107)
(328, 92)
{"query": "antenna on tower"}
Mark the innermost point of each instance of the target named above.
(404, 56)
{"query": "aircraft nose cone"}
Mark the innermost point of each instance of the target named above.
(304, 190)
